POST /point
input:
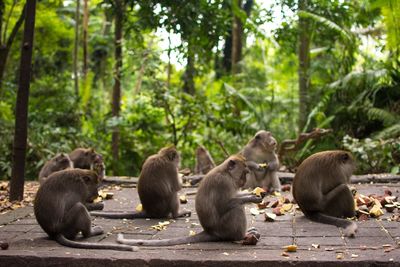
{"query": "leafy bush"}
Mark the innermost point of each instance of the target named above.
(375, 155)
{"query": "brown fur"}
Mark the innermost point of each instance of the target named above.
(261, 149)
(60, 211)
(158, 188)
(57, 163)
(321, 191)
(83, 157)
(219, 206)
(204, 161)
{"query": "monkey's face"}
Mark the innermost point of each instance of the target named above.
(347, 163)
(92, 182)
(264, 141)
(238, 170)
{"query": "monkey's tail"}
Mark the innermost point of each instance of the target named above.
(200, 237)
(350, 228)
(62, 240)
(120, 215)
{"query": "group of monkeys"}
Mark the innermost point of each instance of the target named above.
(63, 201)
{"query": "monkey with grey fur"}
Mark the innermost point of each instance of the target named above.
(60, 211)
(158, 188)
(219, 206)
(320, 189)
(57, 163)
(261, 150)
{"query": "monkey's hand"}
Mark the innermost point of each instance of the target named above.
(255, 199)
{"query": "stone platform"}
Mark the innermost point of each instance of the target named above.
(377, 242)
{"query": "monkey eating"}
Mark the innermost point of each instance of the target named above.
(57, 163)
(60, 211)
(158, 187)
(320, 189)
(83, 158)
(262, 162)
(219, 206)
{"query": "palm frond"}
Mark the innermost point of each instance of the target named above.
(347, 36)
(382, 115)
(389, 132)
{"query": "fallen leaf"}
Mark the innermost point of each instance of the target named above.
(339, 256)
(258, 191)
(183, 199)
(270, 217)
(139, 208)
(284, 254)
(315, 245)
(192, 233)
(290, 248)
(354, 255)
(254, 211)
(376, 211)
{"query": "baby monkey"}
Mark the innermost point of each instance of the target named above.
(219, 206)
(262, 161)
(60, 211)
(321, 191)
(158, 188)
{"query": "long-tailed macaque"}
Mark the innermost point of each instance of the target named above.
(219, 206)
(83, 158)
(204, 161)
(261, 150)
(60, 211)
(321, 191)
(158, 188)
(57, 163)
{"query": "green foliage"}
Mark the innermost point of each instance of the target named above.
(354, 91)
(374, 155)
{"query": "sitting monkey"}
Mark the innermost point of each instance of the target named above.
(320, 189)
(219, 206)
(60, 211)
(262, 161)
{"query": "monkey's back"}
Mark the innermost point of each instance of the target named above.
(212, 197)
(54, 197)
(317, 175)
(156, 187)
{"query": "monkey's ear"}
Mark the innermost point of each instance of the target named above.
(231, 164)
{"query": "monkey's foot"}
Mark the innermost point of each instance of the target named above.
(96, 230)
(350, 231)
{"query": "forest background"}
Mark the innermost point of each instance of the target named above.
(129, 77)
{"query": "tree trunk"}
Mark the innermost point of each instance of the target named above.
(304, 66)
(21, 116)
(117, 77)
(237, 33)
(188, 76)
(85, 37)
(76, 48)
(5, 48)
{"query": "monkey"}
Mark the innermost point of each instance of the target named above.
(83, 158)
(60, 212)
(57, 163)
(261, 149)
(158, 187)
(219, 206)
(98, 166)
(320, 189)
(204, 161)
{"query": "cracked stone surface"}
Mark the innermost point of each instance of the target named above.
(377, 242)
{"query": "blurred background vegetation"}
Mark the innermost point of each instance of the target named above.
(205, 72)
